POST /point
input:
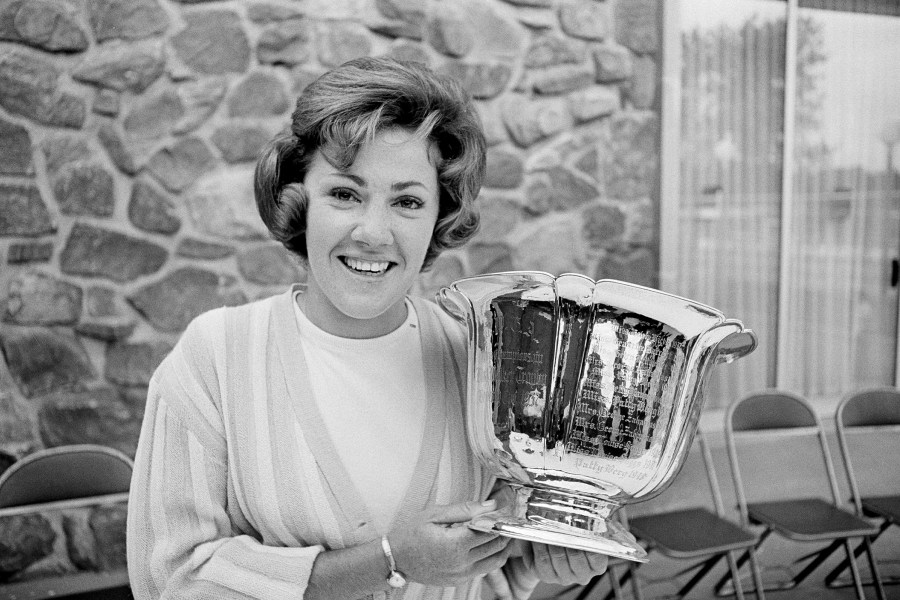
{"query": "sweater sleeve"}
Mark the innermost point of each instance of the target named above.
(183, 542)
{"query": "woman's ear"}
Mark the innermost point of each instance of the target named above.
(289, 218)
(267, 177)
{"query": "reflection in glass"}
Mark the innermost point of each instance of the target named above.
(733, 56)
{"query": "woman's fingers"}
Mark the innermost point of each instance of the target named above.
(598, 562)
(491, 562)
(578, 561)
(545, 565)
(461, 512)
(555, 564)
(579, 566)
(488, 548)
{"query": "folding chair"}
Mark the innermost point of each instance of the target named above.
(868, 427)
(696, 532)
(58, 479)
(788, 438)
(680, 525)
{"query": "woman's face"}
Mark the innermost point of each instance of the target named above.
(368, 230)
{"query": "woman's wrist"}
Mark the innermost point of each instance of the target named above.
(349, 572)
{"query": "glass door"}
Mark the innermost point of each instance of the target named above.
(840, 298)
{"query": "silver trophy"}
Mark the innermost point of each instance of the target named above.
(583, 396)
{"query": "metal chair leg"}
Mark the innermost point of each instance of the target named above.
(854, 569)
(705, 567)
(731, 574)
(734, 568)
(615, 591)
(873, 567)
(817, 559)
(615, 584)
(589, 588)
(735, 576)
(635, 584)
(735, 565)
(757, 574)
(842, 566)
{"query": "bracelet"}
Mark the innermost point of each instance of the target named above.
(396, 579)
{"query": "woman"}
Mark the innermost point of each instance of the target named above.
(311, 444)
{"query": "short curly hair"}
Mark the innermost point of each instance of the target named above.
(345, 108)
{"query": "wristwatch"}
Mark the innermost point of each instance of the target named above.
(396, 578)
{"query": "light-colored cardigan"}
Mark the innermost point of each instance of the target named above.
(237, 486)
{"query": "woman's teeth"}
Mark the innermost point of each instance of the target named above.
(366, 266)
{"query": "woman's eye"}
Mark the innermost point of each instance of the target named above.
(409, 202)
(343, 194)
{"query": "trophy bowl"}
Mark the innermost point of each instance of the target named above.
(583, 397)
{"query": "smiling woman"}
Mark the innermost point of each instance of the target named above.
(312, 444)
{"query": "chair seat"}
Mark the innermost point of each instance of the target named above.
(691, 533)
(883, 506)
(809, 519)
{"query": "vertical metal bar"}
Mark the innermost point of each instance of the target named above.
(897, 344)
(783, 360)
(670, 135)
(854, 571)
(711, 476)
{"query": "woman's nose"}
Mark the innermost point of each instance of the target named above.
(373, 228)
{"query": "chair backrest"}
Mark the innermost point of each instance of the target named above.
(873, 407)
(771, 410)
(77, 474)
(777, 449)
(868, 431)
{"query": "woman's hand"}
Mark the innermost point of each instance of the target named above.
(552, 564)
(555, 564)
(438, 549)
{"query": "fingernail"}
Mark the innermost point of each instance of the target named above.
(489, 503)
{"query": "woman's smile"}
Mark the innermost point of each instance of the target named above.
(366, 267)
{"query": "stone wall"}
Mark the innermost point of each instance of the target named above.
(128, 131)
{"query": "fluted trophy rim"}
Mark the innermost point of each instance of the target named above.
(525, 273)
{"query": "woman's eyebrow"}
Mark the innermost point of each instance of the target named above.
(402, 185)
(354, 178)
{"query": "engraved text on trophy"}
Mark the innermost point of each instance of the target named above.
(523, 344)
(624, 395)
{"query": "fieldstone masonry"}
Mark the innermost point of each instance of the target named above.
(128, 131)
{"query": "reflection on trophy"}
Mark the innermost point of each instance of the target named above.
(583, 396)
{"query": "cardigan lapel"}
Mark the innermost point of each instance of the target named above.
(296, 373)
(422, 486)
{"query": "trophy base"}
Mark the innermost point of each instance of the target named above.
(615, 541)
(552, 516)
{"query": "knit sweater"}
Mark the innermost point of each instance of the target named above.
(237, 487)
